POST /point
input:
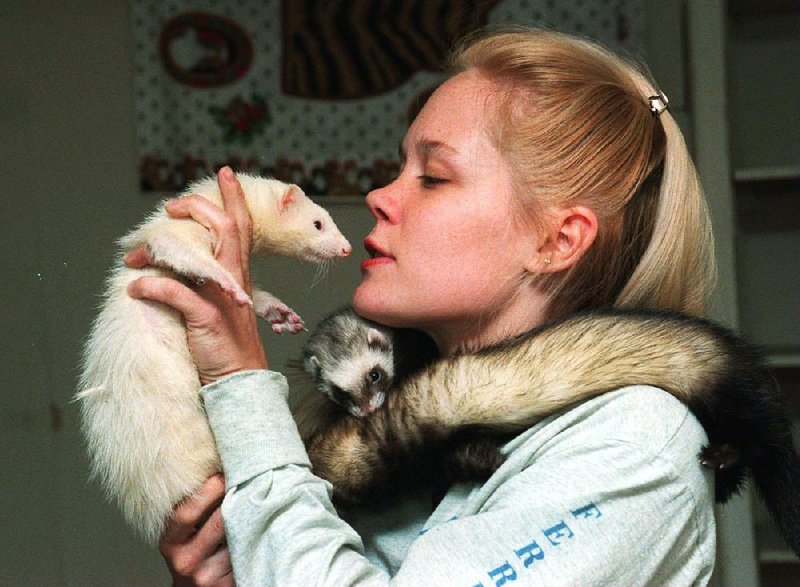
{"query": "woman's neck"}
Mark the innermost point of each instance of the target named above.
(476, 332)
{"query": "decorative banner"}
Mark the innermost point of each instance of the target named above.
(364, 48)
(315, 92)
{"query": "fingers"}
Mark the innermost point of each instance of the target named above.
(194, 543)
(176, 295)
(201, 551)
(231, 227)
(217, 570)
(234, 202)
(138, 258)
(222, 225)
(195, 510)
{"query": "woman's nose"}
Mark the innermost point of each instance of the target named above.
(384, 204)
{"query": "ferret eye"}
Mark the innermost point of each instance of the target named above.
(318, 225)
(375, 375)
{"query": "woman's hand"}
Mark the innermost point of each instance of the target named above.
(194, 543)
(222, 335)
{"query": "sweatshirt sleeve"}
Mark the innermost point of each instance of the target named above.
(280, 524)
(573, 505)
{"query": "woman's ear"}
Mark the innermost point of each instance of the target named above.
(572, 232)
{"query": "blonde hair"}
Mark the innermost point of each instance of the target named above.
(574, 122)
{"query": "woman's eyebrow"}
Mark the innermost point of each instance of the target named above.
(426, 148)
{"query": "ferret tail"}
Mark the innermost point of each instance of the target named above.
(777, 480)
(747, 413)
(749, 430)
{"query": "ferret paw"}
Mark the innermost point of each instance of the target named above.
(280, 316)
(288, 324)
(473, 458)
(234, 290)
(719, 456)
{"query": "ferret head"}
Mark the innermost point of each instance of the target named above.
(357, 379)
(287, 222)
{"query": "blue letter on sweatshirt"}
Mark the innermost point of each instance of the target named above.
(558, 533)
(587, 511)
(503, 574)
(530, 553)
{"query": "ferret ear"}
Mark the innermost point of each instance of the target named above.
(289, 198)
(312, 365)
(377, 338)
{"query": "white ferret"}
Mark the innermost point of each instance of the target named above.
(142, 417)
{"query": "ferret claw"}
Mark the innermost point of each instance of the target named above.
(281, 327)
(281, 316)
(234, 290)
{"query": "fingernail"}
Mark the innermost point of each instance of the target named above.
(226, 173)
(171, 203)
(133, 290)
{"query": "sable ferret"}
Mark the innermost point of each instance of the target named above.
(454, 413)
(145, 428)
(354, 362)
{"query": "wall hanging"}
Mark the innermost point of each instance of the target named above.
(315, 92)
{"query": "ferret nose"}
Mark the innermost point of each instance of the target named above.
(346, 250)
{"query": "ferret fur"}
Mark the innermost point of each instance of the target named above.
(146, 432)
(455, 412)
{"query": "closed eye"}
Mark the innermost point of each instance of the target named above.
(430, 181)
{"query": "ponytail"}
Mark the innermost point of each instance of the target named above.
(576, 126)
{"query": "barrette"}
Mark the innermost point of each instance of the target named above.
(658, 103)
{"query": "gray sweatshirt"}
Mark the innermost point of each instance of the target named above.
(607, 493)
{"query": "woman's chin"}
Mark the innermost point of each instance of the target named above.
(376, 306)
(367, 303)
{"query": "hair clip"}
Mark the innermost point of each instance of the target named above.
(658, 103)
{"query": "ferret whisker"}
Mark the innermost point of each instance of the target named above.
(321, 273)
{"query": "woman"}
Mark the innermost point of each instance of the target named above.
(543, 178)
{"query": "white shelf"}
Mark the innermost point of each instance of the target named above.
(767, 173)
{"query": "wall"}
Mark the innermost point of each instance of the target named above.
(68, 190)
(68, 183)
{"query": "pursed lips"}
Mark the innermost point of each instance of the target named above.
(376, 254)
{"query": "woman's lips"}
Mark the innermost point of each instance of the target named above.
(368, 264)
(377, 256)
